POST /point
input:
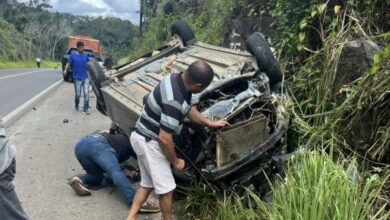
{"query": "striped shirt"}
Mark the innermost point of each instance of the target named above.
(166, 108)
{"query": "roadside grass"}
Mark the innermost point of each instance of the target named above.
(6, 64)
(315, 187)
(318, 188)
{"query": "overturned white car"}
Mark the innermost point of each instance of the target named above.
(244, 92)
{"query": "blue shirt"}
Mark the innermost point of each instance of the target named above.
(79, 65)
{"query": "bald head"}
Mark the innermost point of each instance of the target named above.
(199, 72)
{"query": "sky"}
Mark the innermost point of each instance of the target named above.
(124, 9)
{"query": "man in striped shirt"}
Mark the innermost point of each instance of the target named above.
(164, 112)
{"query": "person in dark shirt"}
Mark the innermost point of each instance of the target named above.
(100, 153)
(108, 62)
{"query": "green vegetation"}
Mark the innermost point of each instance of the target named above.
(209, 23)
(318, 188)
(348, 124)
(13, 45)
(28, 29)
(6, 64)
(315, 188)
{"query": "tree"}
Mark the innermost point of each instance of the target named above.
(31, 31)
(62, 30)
(40, 4)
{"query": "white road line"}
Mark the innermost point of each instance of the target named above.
(20, 74)
(24, 108)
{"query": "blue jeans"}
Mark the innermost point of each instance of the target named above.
(96, 156)
(84, 84)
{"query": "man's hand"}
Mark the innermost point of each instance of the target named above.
(218, 124)
(179, 165)
(65, 72)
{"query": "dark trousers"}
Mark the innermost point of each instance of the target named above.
(10, 208)
(96, 156)
(39, 64)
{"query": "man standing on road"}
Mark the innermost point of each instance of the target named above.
(163, 115)
(79, 60)
(108, 61)
(100, 153)
(10, 207)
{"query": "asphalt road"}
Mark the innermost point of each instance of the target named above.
(19, 85)
(45, 160)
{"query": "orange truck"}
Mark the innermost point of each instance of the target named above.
(91, 47)
(89, 43)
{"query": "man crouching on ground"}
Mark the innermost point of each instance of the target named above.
(163, 115)
(100, 153)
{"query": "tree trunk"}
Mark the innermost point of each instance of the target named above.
(54, 48)
(141, 15)
(29, 49)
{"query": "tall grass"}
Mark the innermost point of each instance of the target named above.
(315, 188)
(318, 188)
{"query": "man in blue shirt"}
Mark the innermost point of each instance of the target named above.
(79, 60)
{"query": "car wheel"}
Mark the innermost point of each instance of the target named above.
(97, 78)
(181, 29)
(68, 78)
(259, 47)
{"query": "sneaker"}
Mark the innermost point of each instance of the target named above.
(86, 113)
(149, 208)
(78, 186)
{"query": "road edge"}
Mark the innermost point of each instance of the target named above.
(27, 106)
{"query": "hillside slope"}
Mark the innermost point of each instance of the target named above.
(13, 44)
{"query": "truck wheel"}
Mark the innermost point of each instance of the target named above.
(184, 31)
(97, 78)
(259, 47)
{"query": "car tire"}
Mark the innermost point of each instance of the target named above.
(97, 78)
(183, 30)
(259, 47)
(68, 78)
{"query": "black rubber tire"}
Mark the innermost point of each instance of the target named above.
(65, 77)
(97, 78)
(183, 30)
(259, 47)
(68, 78)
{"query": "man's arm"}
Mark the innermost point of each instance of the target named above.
(66, 69)
(166, 143)
(195, 116)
